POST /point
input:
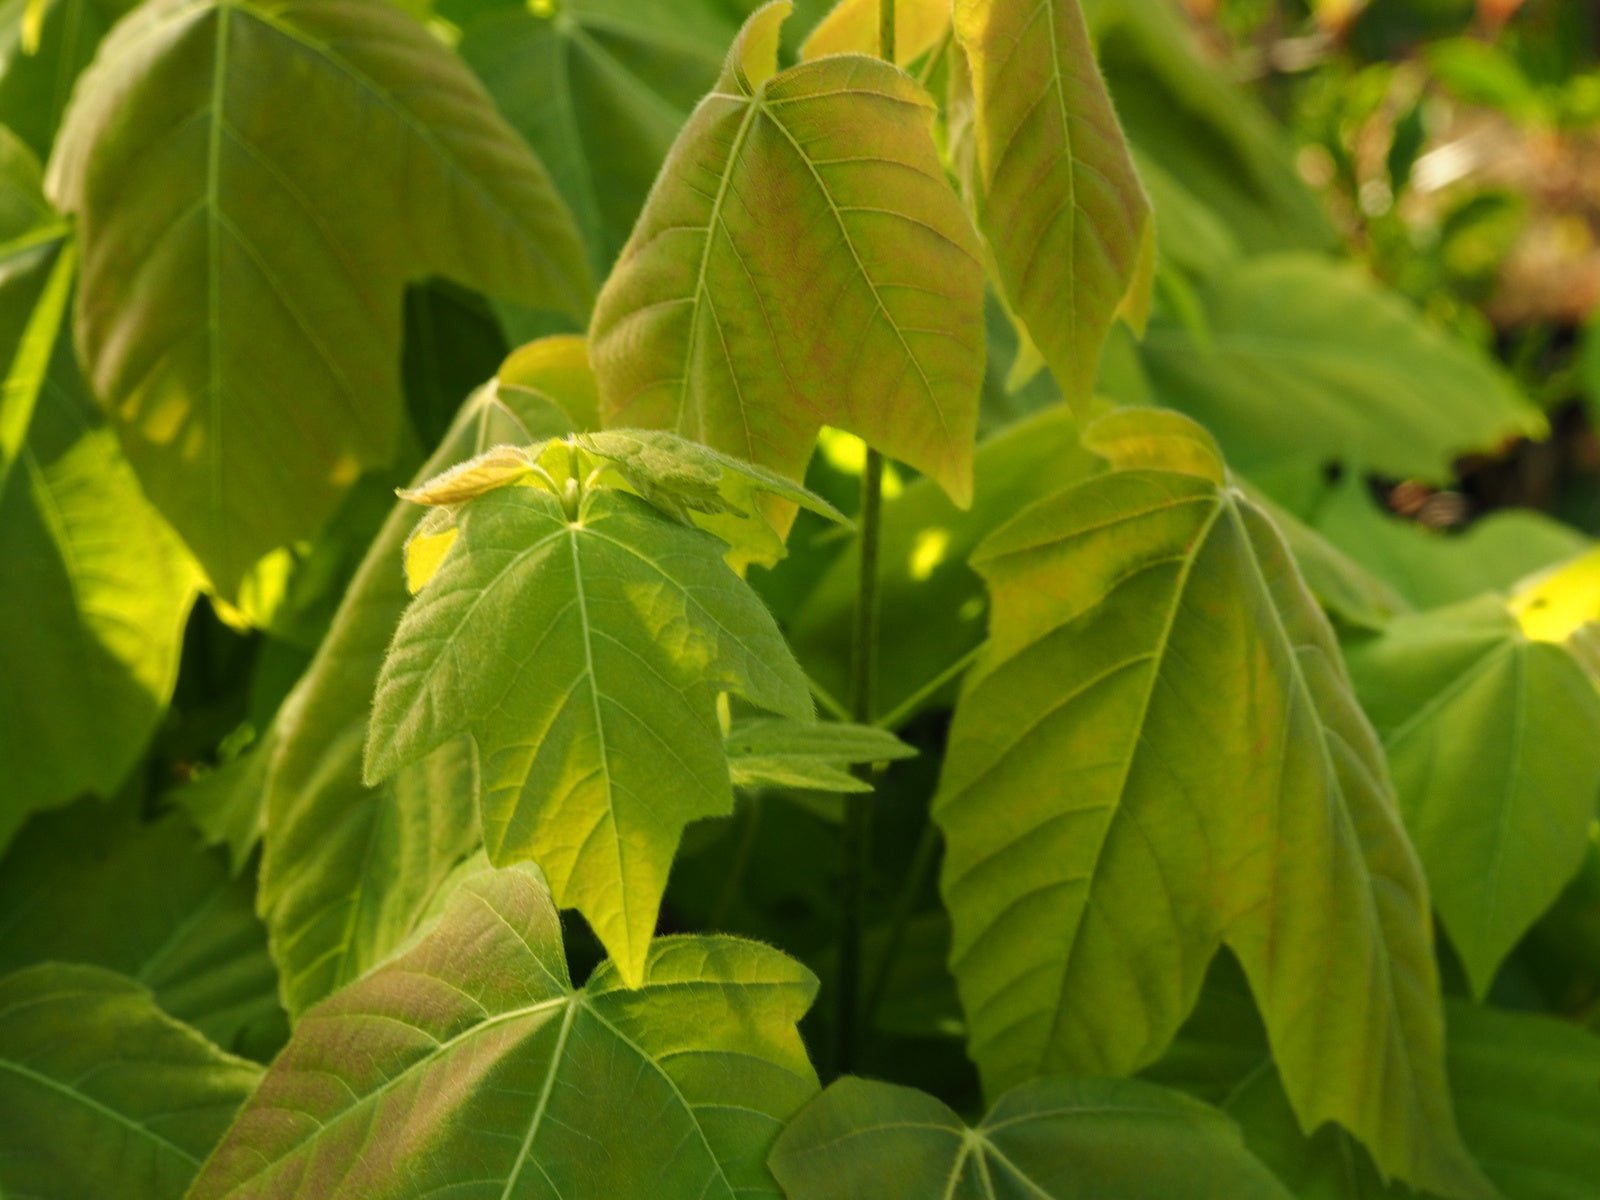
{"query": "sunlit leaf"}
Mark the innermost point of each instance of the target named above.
(94, 589)
(348, 870)
(230, 262)
(1159, 753)
(1053, 1139)
(104, 1094)
(583, 652)
(471, 1061)
(1054, 188)
(851, 27)
(1303, 352)
(801, 261)
(1494, 741)
(1554, 604)
(809, 755)
(92, 885)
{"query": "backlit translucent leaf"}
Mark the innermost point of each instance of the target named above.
(583, 653)
(469, 1065)
(851, 27)
(688, 481)
(103, 1093)
(1302, 352)
(1526, 1096)
(1494, 742)
(1159, 753)
(94, 589)
(93, 885)
(1052, 1139)
(599, 88)
(347, 870)
(801, 261)
(810, 755)
(230, 261)
(1055, 191)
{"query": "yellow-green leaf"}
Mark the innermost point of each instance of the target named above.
(1055, 190)
(801, 261)
(1159, 753)
(583, 650)
(230, 262)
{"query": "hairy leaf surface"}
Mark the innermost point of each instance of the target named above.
(1055, 190)
(1492, 740)
(229, 261)
(583, 653)
(1300, 351)
(94, 589)
(92, 885)
(104, 1094)
(1159, 752)
(801, 261)
(1053, 1139)
(470, 1065)
(349, 869)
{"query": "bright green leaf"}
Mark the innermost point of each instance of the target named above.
(93, 885)
(1055, 191)
(348, 870)
(1492, 739)
(94, 589)
(1053, 1139)
(1160, 753)
(809, 755)
(691, 483)
(584, 654)
(471, 1059)
(104, 1094)
(1304, 352)
(802, 261)
(229, 261)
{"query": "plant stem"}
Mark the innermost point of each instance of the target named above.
(856, 849)
(902, 712)
(916, 876)
(857, 841)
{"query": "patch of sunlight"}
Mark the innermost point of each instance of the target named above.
(927, 552)
(1555, 604)
(847, 454)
